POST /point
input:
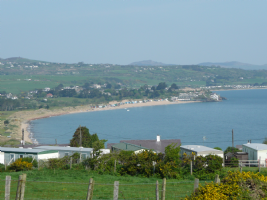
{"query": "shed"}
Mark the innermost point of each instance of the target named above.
(241, 155)
(9, 155)
(255, 151)
(200, 150)
(68, 151)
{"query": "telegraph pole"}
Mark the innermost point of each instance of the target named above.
(80, 136)
(233, 140)
(22, 139)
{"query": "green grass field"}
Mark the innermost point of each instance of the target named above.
(73, 184)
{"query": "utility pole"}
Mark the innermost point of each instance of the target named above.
(22, 139)
(80, 136)
(233, 140)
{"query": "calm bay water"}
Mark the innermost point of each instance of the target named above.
(245, 111)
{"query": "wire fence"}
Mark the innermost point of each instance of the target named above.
(79, 190)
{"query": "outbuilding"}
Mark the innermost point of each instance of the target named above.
(69, 151)
(200, 150)
(9, 155)
(255, 151)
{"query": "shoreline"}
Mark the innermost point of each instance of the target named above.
(27, 116)
(240, 89)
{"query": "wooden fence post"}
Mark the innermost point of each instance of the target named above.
(196, 184)
(5, 165)
(92, 191)
(18, 188)
(89, 192)
(191, 167)
(23, 183)
(116, 190)
(217, 179)
(241, 167)
(70, 162)
(7, 188)
(157, 190)
(163, 189)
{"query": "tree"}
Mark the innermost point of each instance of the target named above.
(6, 122)
(161, 86)
(218, 148)
(231, 149)
(172, 153)
(97, 145)
(87, 138)
(265, 141)
(174, 86)
(109, 86)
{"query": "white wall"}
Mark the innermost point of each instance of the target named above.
(200, 154)
(47, 156)
(2, 157)
(262, 154)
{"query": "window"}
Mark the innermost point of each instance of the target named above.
(20, 156)
(83, 156)
(66, 153)
(12, 156)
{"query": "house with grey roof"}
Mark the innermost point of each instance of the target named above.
(9, 155)
(157, 145)
(200, 150)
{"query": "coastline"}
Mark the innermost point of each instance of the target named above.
(25, 117)
(240, 89)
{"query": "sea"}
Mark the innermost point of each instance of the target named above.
(209, 124)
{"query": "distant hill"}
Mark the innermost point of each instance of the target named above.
(148, 63)
(235, 64)
(18, 60)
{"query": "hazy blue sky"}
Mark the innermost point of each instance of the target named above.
(124, 31)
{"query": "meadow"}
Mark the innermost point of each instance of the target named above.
(73, 184)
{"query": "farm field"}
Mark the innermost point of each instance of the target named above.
(73, 184)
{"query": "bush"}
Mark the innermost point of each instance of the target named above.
(20, 165)
(30, 160)
(236, 185)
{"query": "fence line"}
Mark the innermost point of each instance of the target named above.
(29, 189)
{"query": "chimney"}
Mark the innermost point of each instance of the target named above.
(158, 138)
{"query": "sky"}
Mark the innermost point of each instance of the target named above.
(125, 31)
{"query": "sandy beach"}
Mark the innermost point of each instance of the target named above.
(22, 118)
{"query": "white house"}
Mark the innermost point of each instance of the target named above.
(200, 150)
(9, 155)
(255, 151)
(214, 96)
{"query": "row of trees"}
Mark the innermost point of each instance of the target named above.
(111, 92)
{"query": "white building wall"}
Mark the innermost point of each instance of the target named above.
(2, 158)
(262, 154)
(220, 154)
(47, 156)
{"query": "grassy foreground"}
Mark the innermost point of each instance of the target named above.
(73, 184)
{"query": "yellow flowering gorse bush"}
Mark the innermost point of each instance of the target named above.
(236, 185)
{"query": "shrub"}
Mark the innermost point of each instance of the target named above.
(30, 160)
(20, 165)
(236, 185)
